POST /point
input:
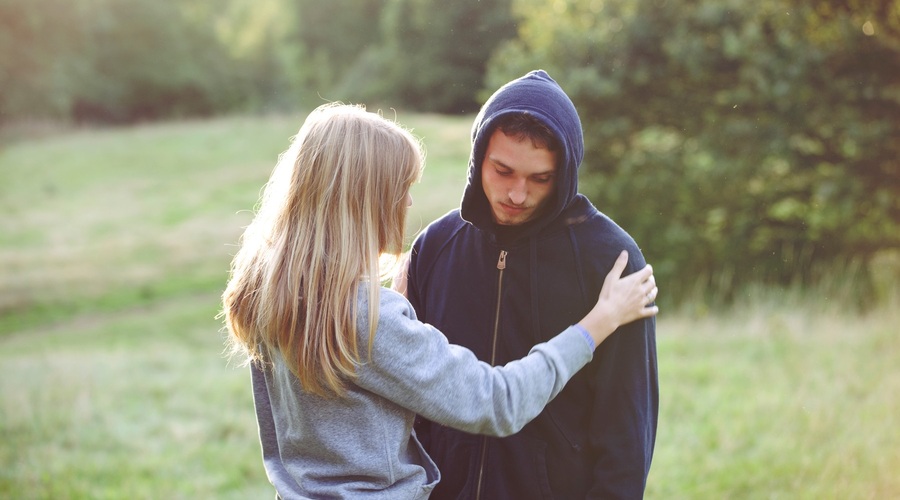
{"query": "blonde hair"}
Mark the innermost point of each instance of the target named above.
(334, 204)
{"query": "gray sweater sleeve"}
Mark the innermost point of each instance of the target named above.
(413, 365)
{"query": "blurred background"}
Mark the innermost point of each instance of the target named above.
(751, 148)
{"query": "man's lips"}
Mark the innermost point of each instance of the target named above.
(513, 209)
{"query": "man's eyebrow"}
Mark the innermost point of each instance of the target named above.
(500, 163)
(545, 173)
(494, 160)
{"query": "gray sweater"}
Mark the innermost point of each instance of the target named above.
(363, 445)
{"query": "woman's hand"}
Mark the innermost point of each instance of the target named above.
(622, 300)
(401, 277)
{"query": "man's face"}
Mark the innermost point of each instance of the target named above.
(518, 179)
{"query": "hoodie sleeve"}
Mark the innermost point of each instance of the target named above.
(413, 365)
(622, 440)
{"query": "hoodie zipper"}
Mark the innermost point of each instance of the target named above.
(501, 265)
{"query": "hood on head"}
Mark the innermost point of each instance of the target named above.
(540, 96)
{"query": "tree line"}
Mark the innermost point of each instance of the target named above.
(120, 61)
(737, 141)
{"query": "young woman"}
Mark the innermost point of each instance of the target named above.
(340, 367)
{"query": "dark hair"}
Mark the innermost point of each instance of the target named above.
(523, 126)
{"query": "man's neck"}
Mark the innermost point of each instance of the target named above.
(509, 234)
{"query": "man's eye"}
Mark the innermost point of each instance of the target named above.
(504, 173)
(542, 180)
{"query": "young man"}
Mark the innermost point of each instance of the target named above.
(520, 260)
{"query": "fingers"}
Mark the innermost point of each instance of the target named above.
(649, 289)
(649, 285)
(644, 274)
(619, 267)
(642, 283)
(649, 311)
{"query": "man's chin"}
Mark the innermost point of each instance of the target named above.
(502, 218)
(510, 221)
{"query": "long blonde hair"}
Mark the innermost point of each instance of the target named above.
(335, 203)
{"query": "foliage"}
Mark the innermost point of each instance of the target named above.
(434, 54)
(737, 141)
(428, 55)
(33, 75)
(331, 37)
(153, 63)
(261, 73)
(112, 61)
(131, 60)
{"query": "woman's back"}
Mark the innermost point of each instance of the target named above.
(360, 444)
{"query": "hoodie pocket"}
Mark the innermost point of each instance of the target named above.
(519, 464)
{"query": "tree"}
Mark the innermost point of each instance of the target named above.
(35, 75)
(112, 61)
(146, 60)
(737, 141)
(432, 55)
(328, 40)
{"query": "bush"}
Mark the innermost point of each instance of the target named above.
(112, 61)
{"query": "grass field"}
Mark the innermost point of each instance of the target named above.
(114, 248)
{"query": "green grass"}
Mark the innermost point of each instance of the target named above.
(779, 401)
(115, 246)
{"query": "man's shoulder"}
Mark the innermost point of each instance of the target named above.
(589, 222)
(597, 231)
(441, 230)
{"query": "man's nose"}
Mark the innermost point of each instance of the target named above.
(518, 193)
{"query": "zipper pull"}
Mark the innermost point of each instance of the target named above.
(501, 264)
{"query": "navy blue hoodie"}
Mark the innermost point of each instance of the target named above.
(596, 438)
